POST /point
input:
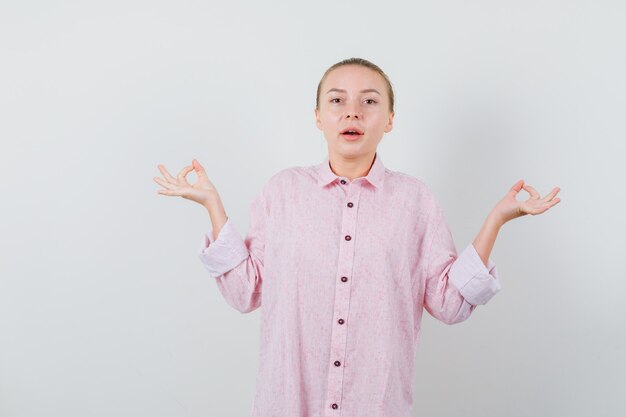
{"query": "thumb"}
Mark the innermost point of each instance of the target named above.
(198, 168)
(517, 187)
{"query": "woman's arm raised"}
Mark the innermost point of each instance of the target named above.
(508, 209)
(235, 263)
(473, 275)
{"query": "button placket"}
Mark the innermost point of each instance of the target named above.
(342, 298)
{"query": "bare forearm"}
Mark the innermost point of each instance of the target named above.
(484, 241)
(217, 214)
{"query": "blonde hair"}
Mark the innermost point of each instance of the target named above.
(364, 63)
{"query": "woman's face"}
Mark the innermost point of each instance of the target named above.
(353, 96)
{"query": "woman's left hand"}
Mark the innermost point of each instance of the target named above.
(509, 208)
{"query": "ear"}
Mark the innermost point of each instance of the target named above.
(317, 119)
(389, 123)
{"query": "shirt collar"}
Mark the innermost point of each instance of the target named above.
(375, 176)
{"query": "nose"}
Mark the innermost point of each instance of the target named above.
(352, 109)
(352, 114)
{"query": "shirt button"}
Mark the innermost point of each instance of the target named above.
(334, 406)
(340, 321)
(348, 237)
(337, 363)
(343, 181)
(344, 279)
(350, 204)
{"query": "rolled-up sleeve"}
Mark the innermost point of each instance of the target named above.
(476, 282)
(224, 253)
(455, 284)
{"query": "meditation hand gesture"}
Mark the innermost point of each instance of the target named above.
(201, 192)
(509, 208)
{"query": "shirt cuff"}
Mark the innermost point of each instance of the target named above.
(476, 283)
(224, 253)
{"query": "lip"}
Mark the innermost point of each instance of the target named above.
(352, 138)
(354, 128)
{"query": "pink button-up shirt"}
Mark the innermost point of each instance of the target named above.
(342, 270)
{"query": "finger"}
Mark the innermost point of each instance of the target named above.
(200, 171)
(550, 196)
(538, 206)
(166, 174)
(198, 167)
(533, 193)
(164, 184)
(183, 173)
(517, 187)
(555, 202)
(169, 192)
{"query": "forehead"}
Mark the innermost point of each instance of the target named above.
(353, 78)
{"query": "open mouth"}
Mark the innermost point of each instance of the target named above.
(352, 133)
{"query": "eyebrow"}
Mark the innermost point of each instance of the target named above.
(368, 90)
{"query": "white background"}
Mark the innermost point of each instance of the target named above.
(105, 308)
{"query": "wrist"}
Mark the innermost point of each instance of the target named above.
(212, 202)
(495, 219)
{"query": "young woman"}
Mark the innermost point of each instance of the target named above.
(343, 256)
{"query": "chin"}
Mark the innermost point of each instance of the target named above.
(349, 151)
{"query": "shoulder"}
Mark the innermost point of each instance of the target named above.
(290, 176)
(287, 179)
(418, 197)
(415, 188)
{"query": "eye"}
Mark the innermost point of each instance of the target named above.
(372, 100)
(336, 98)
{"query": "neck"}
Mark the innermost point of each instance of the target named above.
(351, 168)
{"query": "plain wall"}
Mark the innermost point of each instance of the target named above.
(105, 308)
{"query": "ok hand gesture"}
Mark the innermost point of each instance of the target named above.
(509, 208)
(201, 192)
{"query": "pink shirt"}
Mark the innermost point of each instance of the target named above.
(342, 270)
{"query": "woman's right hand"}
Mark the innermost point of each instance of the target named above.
(202, 192)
